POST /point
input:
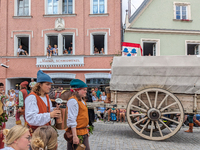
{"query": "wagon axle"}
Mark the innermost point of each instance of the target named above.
(154, 114)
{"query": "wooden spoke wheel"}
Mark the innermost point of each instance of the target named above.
(152, 110)
(139, 125)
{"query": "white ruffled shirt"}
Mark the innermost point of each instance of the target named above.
(32, 110)
(7, 148)
(73, 109)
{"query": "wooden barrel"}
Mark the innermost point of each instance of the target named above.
(63, 125)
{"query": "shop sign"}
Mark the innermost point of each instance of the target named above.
(67, 61)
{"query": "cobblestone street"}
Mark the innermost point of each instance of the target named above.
(119, 136)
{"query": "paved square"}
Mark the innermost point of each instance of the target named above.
(119, 136)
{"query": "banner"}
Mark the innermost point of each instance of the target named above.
(131, 49)
(63, 61)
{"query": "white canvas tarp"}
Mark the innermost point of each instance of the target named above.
(178, 74)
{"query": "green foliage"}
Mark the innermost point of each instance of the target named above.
(3, 118)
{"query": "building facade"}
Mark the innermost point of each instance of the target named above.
(87, 34)
(166, 27)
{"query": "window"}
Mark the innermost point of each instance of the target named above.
(63, 41)
(182, 11)
(193, 49)
(67, 7)
(22, 45)
(151, 47)
(52, 6)
(23, 8)
(52, 40)
(98, 6)
(99, 43)
(67, 44)
(60, 6)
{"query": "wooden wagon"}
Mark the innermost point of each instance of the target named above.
(159, 88)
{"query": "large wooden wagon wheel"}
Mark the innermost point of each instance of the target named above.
(156, 108)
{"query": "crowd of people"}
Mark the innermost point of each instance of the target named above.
(37, 109)
(53, 51)
(102, 112)
(11, 100)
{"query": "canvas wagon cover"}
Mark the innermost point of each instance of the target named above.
(177, 74)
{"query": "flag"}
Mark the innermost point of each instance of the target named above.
(130, 49)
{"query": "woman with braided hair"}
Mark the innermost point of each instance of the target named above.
(17, 138)
(44, 138)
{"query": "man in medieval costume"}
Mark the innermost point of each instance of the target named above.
(192, 120)
(2, 111)
(23, 93)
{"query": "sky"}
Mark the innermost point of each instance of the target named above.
(135, 3)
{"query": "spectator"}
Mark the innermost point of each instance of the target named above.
(17, 138)
(69, 50)
(49, 51)
(32, 83)
(98, 92)
(55, 50)
(12, 95)
(122, 114)
(96, 51)
(20, 51)
(135, 112)
(102, 51)
(94, 97)
(44, 137)
(92, 90)
(116, 112)
(65, 51)
(103, 96)
(10, 107)
(17, 91)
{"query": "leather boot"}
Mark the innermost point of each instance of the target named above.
(18, 122)
(196, 121)
(190, 128)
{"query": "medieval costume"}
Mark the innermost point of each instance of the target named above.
(2, 127)
(77, 114)
(38, 106)
(192, 120)
(23, 93)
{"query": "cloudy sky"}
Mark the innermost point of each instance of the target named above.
(135, 3)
